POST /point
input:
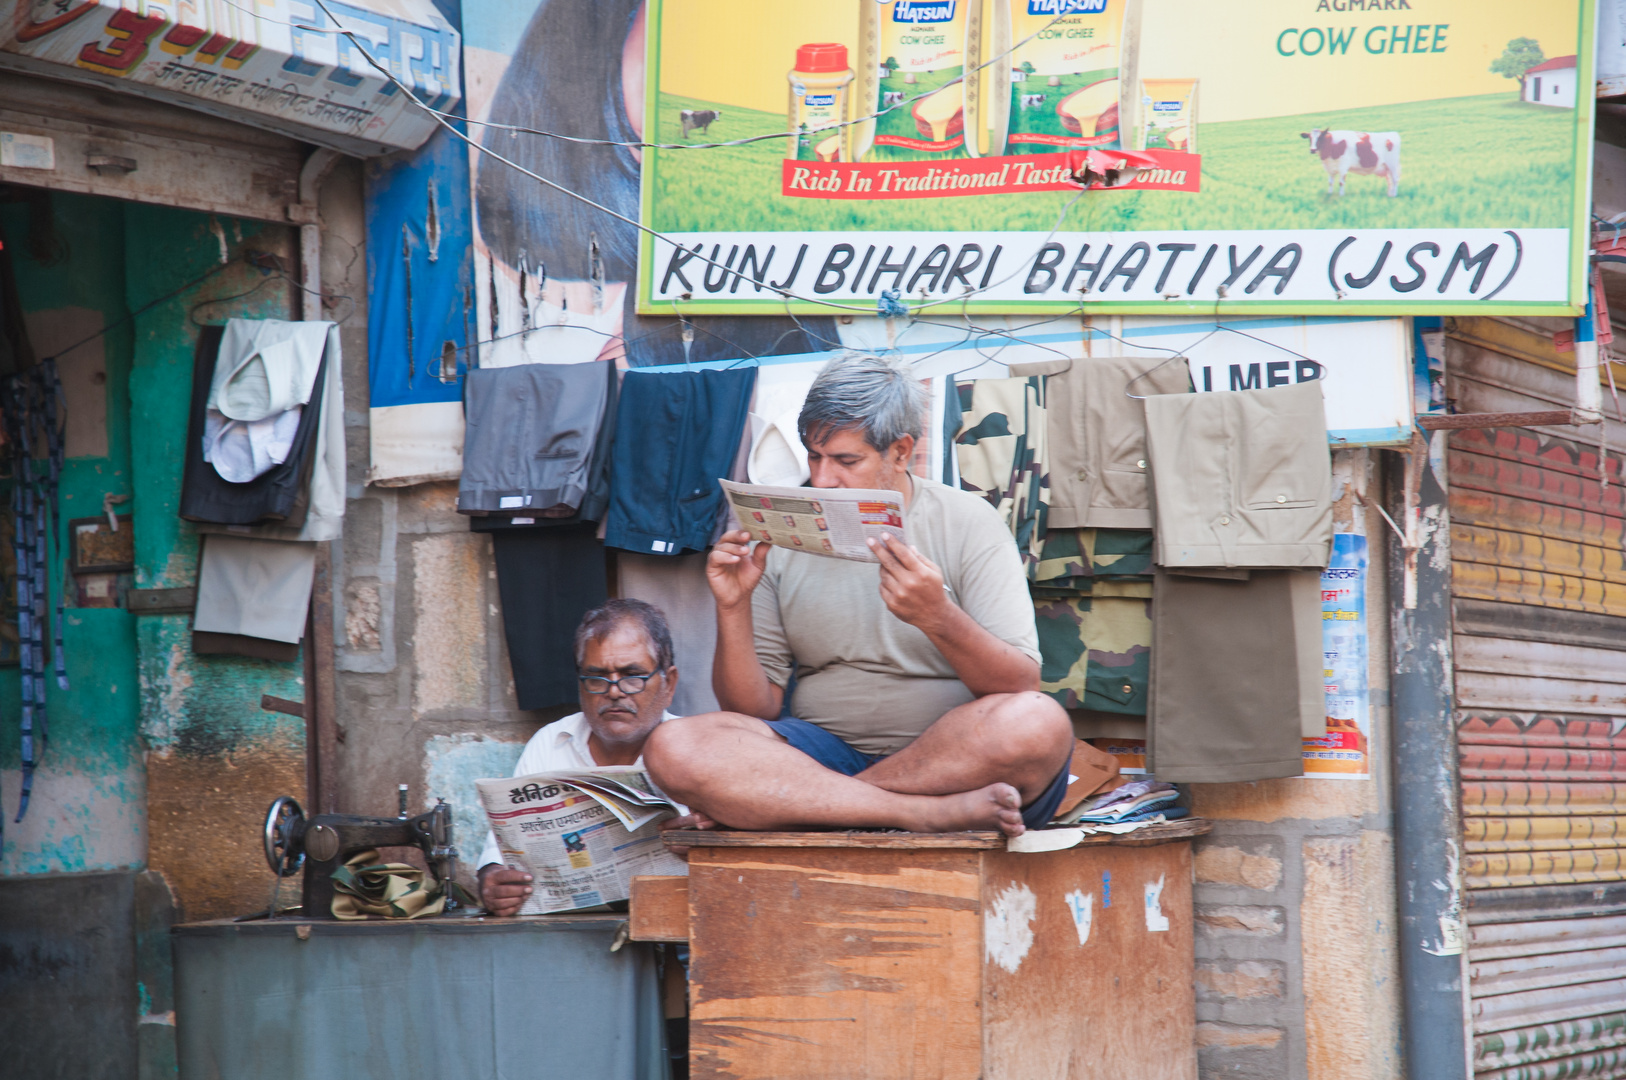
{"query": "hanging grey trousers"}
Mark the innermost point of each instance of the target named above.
(256, 588)
(530, 437)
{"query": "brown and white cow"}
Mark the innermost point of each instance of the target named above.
(1375, 153)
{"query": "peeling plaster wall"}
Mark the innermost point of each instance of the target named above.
(88, 811)
(1297, 971)
(424, 692)
(156, 756)
(214, 758)
(425, 697)
(451, 765)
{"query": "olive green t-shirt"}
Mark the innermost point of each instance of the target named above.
(862, 673)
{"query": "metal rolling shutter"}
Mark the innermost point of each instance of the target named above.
(1539, 594)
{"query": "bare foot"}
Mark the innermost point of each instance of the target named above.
(672, 829)
(997, 806)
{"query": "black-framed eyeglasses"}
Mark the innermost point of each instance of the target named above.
(629, 684)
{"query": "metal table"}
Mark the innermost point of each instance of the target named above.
(537, 997)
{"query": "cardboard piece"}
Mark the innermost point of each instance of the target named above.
(1092, 770)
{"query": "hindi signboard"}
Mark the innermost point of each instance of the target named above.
(277, 64)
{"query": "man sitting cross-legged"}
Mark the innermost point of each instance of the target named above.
(915, 703)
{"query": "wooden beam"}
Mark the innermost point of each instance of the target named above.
(162, 601)
(321, 709)
(1184, 829)
(282, 705)
(1550, 418)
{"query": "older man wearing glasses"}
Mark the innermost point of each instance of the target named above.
(627, 678)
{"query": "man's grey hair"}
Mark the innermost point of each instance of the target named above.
(602, 621)
(881, 398)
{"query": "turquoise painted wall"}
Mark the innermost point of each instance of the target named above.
(451, 765)
(138, 695)
(88, 811)
(191, 704)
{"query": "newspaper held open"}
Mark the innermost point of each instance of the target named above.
(833, 522)
(582, 835)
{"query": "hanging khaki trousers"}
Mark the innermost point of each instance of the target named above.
(1236, 679)
(1241, 478)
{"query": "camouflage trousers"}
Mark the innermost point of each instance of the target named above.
(1001, 452)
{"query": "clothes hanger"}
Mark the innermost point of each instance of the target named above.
(1155, 367)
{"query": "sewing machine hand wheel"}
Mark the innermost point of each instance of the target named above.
(282, 852)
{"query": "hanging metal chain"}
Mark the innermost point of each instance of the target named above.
(31, 413)
(55, 424)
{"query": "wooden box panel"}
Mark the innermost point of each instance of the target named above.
(659, 908)
(841, 963)
(1096, 991)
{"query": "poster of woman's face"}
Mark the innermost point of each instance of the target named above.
(554, 276)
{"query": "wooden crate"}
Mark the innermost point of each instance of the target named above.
(934, 957)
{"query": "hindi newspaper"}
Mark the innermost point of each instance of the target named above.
(582, 835)
(833, 522)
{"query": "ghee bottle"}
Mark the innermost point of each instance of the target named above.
(820, 85)
(920, 56)
(1074, 84)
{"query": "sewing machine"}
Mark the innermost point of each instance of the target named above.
(321, 844)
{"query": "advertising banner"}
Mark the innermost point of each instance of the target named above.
(1149, 156)
(1343, 753)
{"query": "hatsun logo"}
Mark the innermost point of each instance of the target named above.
(912, 11)
(1066, 7)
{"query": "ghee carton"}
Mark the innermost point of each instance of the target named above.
(1169, 111)
(1070, 80)
(917, 60)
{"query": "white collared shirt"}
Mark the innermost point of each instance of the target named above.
(555, 747)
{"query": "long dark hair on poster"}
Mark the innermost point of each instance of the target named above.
(566, 76)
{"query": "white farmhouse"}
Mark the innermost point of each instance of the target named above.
(1552, 83)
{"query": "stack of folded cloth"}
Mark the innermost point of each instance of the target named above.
(1092, 592)
(1143, 800)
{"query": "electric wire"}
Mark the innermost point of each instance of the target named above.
(412, 96)
(756, 138)
(441, 119)
(583, 141)
(144, 308)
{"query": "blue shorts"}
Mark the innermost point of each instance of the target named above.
(835, 753)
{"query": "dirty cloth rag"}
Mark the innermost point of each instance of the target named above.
(263, 378)
(258, 588)
(364, 886)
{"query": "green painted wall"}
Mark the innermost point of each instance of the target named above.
(191, 704)
(88, 810)
(138, 697)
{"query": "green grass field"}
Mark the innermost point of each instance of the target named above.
(1474, 162)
